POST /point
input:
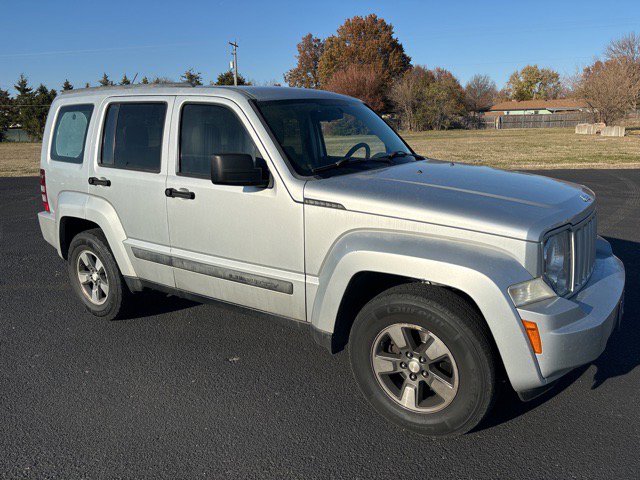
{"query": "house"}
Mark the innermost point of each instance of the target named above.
(538, 107)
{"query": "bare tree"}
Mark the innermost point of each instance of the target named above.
(626, 50)
(608, 89)
(626, 47)
(480, 93)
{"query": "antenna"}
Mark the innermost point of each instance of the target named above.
(235, 62)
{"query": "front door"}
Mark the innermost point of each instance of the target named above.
(130, 172)
(238, 244)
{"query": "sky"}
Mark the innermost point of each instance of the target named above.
(50, 41)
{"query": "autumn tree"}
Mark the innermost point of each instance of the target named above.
(407, 95)
(365, 82)
(533, 82)
(104, 81)
(480, 93)
(443, 105)
(226, 78)
(364, 41)
(305, 73)
(67, 85)
(192, 77)
(429, 99)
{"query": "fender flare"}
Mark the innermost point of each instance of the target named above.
(480, 271)
(102, 213)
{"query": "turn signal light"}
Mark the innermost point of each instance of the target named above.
(534, 335)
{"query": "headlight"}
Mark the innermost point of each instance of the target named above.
(530, 291)
(557, 262)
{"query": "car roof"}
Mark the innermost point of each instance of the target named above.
(247, 92)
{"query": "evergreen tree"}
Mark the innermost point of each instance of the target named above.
(191, 77)
(144, 81)
(67, 85)
(226, 78)
(22, 86)
(87, 85)
(104, 81)
(7, 112)
(125, 80)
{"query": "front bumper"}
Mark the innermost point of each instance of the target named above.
(575, 331)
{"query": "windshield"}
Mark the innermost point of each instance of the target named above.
(335, 136)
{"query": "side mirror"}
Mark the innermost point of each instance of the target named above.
(236, 169)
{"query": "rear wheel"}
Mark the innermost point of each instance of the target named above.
(95, 276)
(423, 359)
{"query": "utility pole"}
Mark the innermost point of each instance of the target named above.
(235, 62)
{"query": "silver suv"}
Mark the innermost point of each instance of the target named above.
(441, 278)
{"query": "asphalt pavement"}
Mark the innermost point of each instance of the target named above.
(182, 390)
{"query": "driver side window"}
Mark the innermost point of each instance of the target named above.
(342, 134)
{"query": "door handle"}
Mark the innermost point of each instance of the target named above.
(99, 181)
(172, 192)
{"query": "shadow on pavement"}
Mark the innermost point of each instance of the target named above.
(149, 303)
(621, 356)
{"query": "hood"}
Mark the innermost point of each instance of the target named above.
(483, 199)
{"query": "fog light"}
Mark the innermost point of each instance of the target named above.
(530, 291)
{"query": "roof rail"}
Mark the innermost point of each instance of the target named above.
(128, 87)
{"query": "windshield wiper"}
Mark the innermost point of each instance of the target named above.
(401, 153)
(349, 161)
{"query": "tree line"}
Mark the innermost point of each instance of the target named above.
(364, 59)
(29, 107)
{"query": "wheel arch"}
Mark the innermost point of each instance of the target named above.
(478, 273)
(77, 212)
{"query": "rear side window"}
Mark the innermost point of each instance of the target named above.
(70, 133)
(206, 130)
(132, 137)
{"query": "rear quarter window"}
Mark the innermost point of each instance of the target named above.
(70, 133)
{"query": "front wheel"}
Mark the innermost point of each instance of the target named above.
(423, 359)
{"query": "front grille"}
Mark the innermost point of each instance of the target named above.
(584, 252)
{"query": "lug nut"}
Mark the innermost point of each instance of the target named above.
(403, 365)
(409, 355)
(425, 373)
(413, 376)
(422, 360)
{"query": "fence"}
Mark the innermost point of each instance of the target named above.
(553, 120)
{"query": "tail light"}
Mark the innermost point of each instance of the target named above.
(43, 191)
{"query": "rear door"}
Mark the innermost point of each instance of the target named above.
(130, 172)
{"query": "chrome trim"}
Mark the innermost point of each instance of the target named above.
(590, 240)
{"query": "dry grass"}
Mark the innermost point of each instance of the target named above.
(19, 159)
(528, 148)
(517, 148)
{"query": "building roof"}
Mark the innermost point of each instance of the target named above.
(559, 104)
(255, 93)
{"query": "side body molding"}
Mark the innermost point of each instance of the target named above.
(480, 271)
(101, 212)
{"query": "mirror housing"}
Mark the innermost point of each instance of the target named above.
(236, 169)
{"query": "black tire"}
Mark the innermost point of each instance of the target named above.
(117, 298)
(458, 326)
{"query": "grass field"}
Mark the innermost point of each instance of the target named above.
(512, 149)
